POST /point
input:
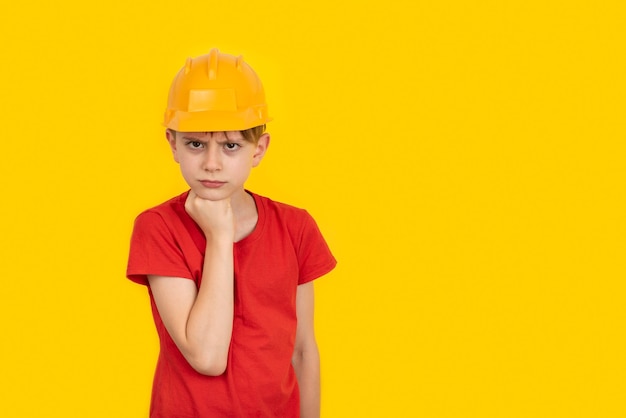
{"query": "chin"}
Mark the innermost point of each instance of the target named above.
(212, 194)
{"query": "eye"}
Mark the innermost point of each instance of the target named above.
(231, 146)
(194, 144)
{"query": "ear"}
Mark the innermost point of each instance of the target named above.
(171, 139)
(261, 148)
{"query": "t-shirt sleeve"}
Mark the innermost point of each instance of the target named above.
(154, 250)
(314, 257)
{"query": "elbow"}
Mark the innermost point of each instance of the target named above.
(207, 359)
(212, 370)
(209, 366)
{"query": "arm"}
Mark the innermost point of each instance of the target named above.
(200, 320)
(306, 360)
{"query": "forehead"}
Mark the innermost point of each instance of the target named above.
(221, 135)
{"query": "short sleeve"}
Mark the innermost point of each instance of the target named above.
(154, 250)
(314, 256)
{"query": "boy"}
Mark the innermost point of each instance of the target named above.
(229, 272)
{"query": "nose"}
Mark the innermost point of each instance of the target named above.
(212, 159)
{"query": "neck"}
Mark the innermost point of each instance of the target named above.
(245, 213)
(242, 203)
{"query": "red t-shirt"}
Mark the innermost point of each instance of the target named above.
(285, 249)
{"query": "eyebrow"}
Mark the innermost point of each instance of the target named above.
(220, 141)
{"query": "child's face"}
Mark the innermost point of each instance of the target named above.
(216, 165)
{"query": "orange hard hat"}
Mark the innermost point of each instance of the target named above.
(215, 92)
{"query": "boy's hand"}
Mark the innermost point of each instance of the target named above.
(215, 218)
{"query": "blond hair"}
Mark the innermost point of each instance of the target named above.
(251, 135)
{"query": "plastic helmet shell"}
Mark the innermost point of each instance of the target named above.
(216, 92)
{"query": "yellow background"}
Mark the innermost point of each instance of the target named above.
(465, 161)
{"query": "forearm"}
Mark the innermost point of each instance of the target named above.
(210, 323)
(306, 364)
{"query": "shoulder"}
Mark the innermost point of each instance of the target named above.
(279, 209)
(310, 248)
(171, 208)
(165, 218)
(162, 242)
(278, 216)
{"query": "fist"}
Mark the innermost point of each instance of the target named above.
(214, 217)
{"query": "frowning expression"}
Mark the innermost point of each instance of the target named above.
(216, 165)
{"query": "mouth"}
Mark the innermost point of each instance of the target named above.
(212, 184)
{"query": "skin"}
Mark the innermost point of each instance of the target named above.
(216, 165)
